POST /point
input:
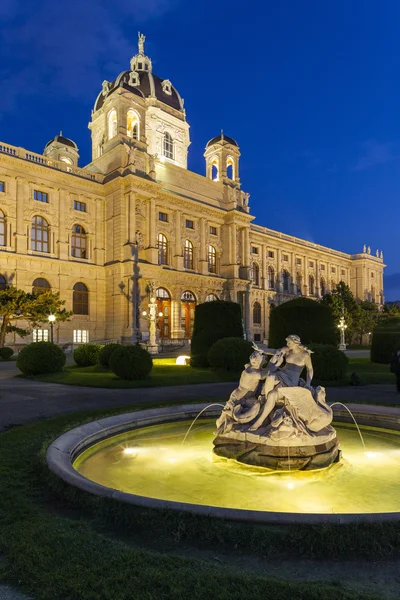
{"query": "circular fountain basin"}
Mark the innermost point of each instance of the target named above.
(139, 458)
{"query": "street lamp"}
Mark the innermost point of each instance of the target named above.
(342, 326)
(51, 319)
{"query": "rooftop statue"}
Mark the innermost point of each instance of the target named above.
(141, 39)
(286, 425)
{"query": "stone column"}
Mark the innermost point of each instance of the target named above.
(152, 254)
(22, 193)
(178, 251)
(247, 312)
(99, 244)
(278, 279)
(305, 276)
(62, 250)
(264, 282)
(203, 261)
(176, 327)
(317, 278)
(246, 247)
(232, 258)
(293, 287)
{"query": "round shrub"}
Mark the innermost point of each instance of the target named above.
(41, 357)
(230, 353)
(87, 355)
(213, 321)
(329, 362)
(304, 317)
(6, 353)
(385, 341)
(131, 362)
(105, 354)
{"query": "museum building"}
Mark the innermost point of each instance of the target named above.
(136, 219)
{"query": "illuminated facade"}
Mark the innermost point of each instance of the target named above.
(136, 216)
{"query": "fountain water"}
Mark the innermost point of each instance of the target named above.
(355, 422)
(200, 413)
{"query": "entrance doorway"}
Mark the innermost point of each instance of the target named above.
(188, 304)
(164, 307)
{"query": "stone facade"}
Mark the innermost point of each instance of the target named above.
(136, 216)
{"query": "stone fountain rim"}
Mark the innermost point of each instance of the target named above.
(66, 448)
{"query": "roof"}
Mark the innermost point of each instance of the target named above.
(150, 86)
(222, 137)
(62, 140)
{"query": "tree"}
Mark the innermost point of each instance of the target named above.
(17, 305)
(367, 319)
(342, 302)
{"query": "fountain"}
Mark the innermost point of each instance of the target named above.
(273, 455)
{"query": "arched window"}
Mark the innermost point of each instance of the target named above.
(168, 146)
(3, 283)
(80, 299)
(132, 125)
(40, 232)
(322, 286)
(188, 297)
(311, 286)
(162, 245)
(230, 168)
(211, 298)
(2, 228)
(215, 169)
(256, 313)
(112, 124)
(162, 293)
(373, 294)
(333, 284)
(255, 274)
(40, 285)
(188, 255)
(285, 281)
(271, 278)
(212, 259)
(78, 242)
(299, 283)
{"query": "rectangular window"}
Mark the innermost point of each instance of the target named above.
(254, 250)
(40, 196)
(81, 336)
(213, 230)
(40, 335)
(270, 254)
(343, 272)
(298, 261)
(310, 263)
(257, 337)
(322, 267)
(80, 206)
(163, 217)
(189, 224)
(285, 257)
(2, 186)
(333, 269)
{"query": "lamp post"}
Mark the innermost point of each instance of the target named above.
(51, 319)
(342, 326)
(151, 316)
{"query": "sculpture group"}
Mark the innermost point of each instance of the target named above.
(276, 419)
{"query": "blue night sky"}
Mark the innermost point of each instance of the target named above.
(309, 89)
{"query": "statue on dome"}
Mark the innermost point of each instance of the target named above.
(141, 39)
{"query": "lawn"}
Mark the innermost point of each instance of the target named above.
(60, 543)
(165, 372)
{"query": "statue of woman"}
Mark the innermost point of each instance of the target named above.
(296, 357)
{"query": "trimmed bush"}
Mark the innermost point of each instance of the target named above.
(131, 362)
(6, 353)
(213, 321)
(41, 357)
(304, 317)
(329, 362)
(385, 341)
(105, 354)
(230, 353)
(87, 355)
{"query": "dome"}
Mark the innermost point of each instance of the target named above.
(147, 85)
(222, 138)
(62, 140)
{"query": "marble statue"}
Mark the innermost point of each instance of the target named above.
(288, 422)
(141, 39)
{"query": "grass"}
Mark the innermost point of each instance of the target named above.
(165, 372)
(60, 543)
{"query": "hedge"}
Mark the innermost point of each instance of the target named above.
(105, 354)
(131, 362)
(6, 353)
(213, 321)
(329, 363)
(87, 355)
(230, 353)
(385, 340)
(304, 317)
(41, 357)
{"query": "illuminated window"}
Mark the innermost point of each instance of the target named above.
(81, 336)
(256, 313)
(40, 285)
(66, 160)
(40, 196)
(162, 245)
(40, 232)
(188, 255)
(78, 242)
(212, 259)
(112, 124)
(132, 124)
(168, 146)
(162, 293)
(40, 335)
(2, 228)
(80, 299)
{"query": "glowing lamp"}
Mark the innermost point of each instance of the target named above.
(182, 360)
